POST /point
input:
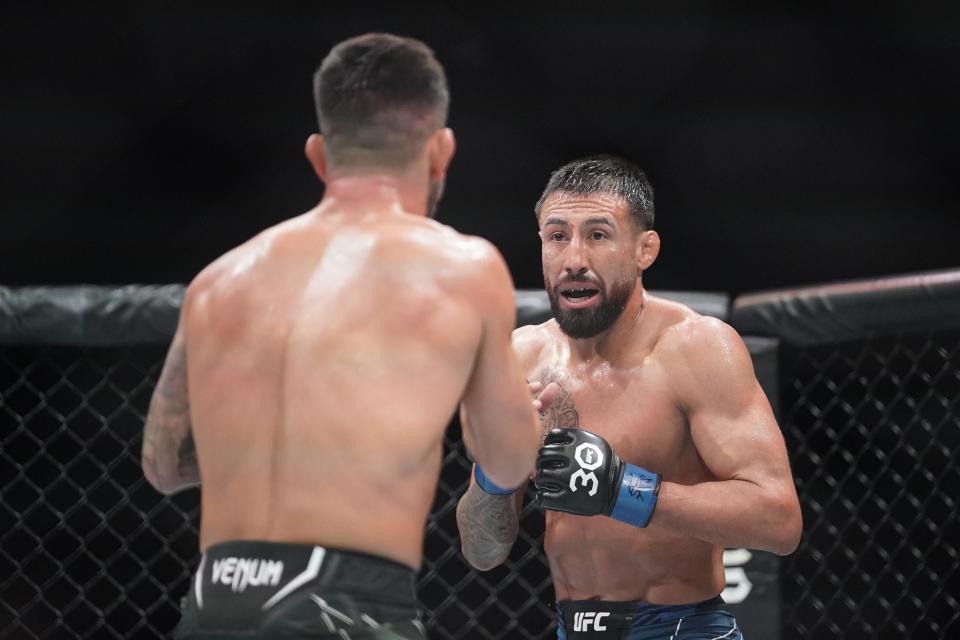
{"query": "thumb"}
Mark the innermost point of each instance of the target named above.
(549, 396)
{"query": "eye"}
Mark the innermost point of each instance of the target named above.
(597, 235)
(556, 236)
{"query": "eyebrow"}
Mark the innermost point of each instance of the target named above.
(589, 221)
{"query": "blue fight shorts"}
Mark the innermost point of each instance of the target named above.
(707, 620)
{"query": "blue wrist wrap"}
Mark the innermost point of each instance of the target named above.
(487, 484)
(638, 496)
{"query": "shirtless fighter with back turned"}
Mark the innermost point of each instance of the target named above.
(316, 367)
(661, 447)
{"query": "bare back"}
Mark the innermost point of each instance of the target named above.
(325, 360)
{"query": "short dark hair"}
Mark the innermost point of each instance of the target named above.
(605, 174)
(378, 98)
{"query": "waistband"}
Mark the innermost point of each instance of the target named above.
(601, 615)
(248, 579)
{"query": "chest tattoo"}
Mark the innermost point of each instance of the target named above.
(562, 413)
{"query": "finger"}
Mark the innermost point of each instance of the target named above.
(550, 394)
(551, 460)
(537, 405)
(549, 496)
(535, 386)
(558, 436)
(547, 483)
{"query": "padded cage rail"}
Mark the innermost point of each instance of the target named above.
(870, 408)
(89, 550)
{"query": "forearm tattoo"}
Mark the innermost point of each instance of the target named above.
(169, 451)
(187, 464)
(488, 526)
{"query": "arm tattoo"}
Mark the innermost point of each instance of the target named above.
(187, 465)
(562, 413)
(169, 451)
(489, 524)
(488, 527)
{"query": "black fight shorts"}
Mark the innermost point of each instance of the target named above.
(256, 590)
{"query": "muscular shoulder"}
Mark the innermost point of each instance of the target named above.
(228, 277)
(479, 267)
(467, 268)
(222, 268)
(294, 238)
(695, 335)
(461, 255)
(706, 355)
(530, 340)
(700, 340)
(473, 255)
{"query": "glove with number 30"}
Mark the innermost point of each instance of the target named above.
(578, 472)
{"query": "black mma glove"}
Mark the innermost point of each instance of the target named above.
(578, 472)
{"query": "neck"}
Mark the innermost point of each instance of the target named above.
(381, 191)
(611, 344)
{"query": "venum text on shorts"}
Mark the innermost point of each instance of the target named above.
(240, 573)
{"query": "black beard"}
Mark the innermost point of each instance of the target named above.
(587, 323)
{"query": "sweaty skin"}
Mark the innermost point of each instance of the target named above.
(326, 358)
(633, 404)
(671, 391)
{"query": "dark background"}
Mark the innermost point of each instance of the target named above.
(788, 144)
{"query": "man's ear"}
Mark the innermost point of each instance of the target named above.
(441, 146)
(647, 250)
(316, 154)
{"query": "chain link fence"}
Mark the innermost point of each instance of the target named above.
(873, 429)
(89, 550)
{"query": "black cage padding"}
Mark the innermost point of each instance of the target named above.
(846, 311)
(93, 315)
(89, 315)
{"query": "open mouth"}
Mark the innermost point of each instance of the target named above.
(579, 295)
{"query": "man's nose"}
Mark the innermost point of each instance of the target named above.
(575, 258)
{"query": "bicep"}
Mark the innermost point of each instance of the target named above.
(739, 440)
(731, 421)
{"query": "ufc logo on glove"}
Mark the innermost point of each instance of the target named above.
(589, 457)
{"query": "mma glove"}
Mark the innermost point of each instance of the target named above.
(578, 472)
